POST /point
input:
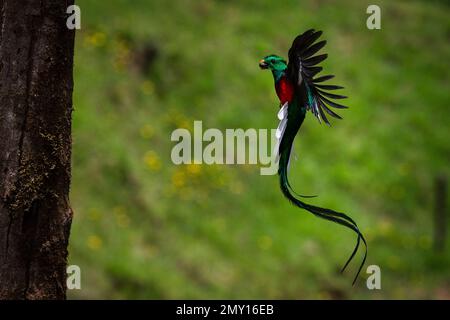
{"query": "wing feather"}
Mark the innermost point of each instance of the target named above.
(322, 114)
(331, 95)
(330, 112)
(333, 104)
(315, 60)
(313, 49)
(302, 70)
(328, 87)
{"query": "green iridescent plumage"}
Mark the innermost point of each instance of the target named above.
(300, 91)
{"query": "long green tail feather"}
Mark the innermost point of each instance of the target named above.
(327, 214)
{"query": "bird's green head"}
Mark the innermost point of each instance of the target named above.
(273, 62)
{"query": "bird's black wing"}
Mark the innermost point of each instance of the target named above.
(302, 69)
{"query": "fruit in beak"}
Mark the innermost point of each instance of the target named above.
(263, 64)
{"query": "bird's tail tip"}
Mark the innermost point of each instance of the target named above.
(330, 215)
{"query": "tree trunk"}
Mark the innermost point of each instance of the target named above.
(36, 61)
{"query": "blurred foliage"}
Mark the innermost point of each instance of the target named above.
(145, 228)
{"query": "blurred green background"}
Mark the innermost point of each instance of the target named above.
(146, 228)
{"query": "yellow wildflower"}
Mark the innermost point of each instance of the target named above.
(152, 161)
(96, 39)
(94, 242)
(193, 169)
(178, 179)
(147, 131)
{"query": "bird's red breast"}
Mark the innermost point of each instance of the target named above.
(284, 89)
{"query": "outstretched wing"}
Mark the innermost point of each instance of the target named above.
(302, 69)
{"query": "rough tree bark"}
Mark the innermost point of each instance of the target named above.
(36, 60)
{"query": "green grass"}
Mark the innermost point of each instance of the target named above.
(145, 228)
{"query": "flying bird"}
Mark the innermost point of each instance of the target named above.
(299, 91)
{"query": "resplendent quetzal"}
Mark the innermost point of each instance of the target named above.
(299, 91)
